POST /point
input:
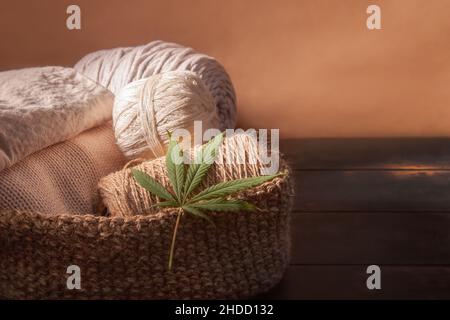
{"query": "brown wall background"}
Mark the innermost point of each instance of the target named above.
(310, 68)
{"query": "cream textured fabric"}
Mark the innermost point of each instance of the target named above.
(63, 178)
(43, 106)
(115, 68)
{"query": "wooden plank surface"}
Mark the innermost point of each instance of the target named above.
(349, 282)
(367, 153)
(371, 238)
(372, 190)
(369, 201)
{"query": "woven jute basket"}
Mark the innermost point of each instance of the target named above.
(245, 253)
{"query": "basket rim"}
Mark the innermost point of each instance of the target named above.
(156, 216)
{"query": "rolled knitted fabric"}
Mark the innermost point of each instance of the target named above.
(115, 68)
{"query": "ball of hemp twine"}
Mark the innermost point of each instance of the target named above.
(146, 110)
(238, 157)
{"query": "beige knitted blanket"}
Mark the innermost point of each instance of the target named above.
(43, 106)
(40, 169)
(62, 179)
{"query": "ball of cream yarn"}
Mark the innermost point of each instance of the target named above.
(146, 110)
(115, 68)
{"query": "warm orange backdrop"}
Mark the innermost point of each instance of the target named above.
(310, 67)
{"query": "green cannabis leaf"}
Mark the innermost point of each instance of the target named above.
(185, 181)
(175, 168)
(153, 186)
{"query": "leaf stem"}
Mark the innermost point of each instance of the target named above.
(172, 246)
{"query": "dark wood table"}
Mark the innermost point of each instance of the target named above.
(368, 201)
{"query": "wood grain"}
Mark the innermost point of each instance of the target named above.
(367, 153)
(371, 238)
(407, 191)
(369, 201)
(349, 282)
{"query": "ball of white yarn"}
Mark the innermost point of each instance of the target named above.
(146, 110)
(115, 68)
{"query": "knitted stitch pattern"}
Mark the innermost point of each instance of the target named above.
(126, 258)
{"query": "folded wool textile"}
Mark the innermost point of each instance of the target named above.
(115, 68)
(63, 178)
(238, 157)
(43, 106)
